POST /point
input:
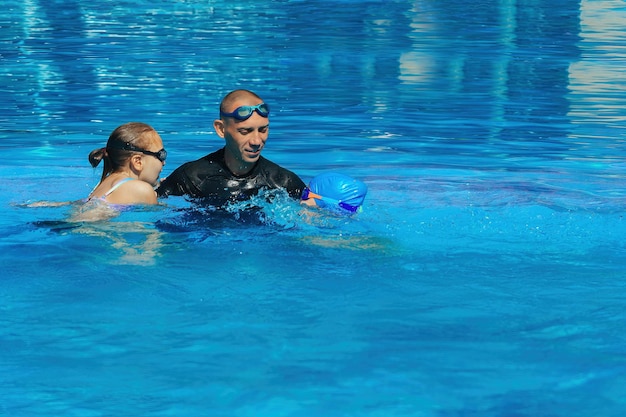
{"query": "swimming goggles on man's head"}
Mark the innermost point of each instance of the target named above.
(244, 112)
(307, 193)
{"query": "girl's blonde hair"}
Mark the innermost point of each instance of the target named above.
(113, 154)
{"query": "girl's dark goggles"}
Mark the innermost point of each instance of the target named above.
(160, 155)
(244, 112)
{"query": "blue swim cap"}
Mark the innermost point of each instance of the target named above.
(338, 191)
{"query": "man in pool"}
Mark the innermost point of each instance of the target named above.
(237, 171)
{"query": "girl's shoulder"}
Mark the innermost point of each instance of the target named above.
(131, 191)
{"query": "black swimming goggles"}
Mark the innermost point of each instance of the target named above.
(244, 112)
(160, 155)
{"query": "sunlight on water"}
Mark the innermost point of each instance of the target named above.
(593, 80)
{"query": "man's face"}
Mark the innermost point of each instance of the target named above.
(245, 139)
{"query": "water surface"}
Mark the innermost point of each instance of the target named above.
(483, 278)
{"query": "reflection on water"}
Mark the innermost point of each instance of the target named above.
(123, 235)
(482, 60)
(133, 243)
(111, 242)
(596, 81)
(501, 74)
(493, 87)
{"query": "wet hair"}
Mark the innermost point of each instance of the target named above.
(113, 155)
(233, 96)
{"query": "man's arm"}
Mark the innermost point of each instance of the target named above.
(174, 184)
(293, 184)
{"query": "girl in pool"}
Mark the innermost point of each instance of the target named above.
(133, 160)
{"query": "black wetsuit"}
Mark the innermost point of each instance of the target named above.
(209, 178)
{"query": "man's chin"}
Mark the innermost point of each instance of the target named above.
(252, 157)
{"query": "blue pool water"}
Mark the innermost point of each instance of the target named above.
(485, 276)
